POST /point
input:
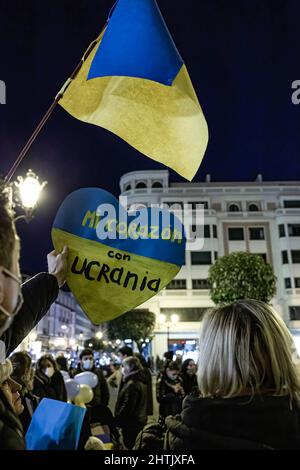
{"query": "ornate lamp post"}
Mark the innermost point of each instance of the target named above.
(168, 322)
(28, 193)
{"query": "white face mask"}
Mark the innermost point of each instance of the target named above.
(87, 364)
(49, 371)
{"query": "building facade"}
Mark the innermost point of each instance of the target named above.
(259, 217)
(65, 327)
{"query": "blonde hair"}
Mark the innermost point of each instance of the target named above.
(246, 348)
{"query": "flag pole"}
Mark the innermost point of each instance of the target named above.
(48, 113)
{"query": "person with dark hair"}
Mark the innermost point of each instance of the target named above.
(131, 407)
(169, 391)
(125, 351)
(48, 381)
(189, 377)
(62, 363)
(23, 374)
(168, 357)
(98, 408)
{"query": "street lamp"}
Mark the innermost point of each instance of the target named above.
(99, 335)
(168, 322)
(29, 190)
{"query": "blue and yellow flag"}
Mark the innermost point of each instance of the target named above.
(135, 84)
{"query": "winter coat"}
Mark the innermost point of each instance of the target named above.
(45, 387)
(39, 293)
(262, 422)
(131, 407)
(11, 431)
(170, 403)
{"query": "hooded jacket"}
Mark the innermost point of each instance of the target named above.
(261, 422)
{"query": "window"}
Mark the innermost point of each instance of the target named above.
(173, 204)
(297, 282)
(281, 230)
(206, 231)
(263, 256)
(236, 233)
(253, 208)
(200, 284)
(287, 282)
(201, 257)
(284, 256)
(157, 184)
(234, 208)
(295, 256)
(216, 255)
(292, 204)
(128, 187)
(256, 233)
(140, 185)
(215, 232)
(177, 284)
(194, 204)
(294, 230)
(294, 313)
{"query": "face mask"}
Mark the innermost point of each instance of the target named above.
(87, 364)
(49, 371)
(171, 376)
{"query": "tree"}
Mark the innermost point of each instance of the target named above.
(241, 275)
(94, 343)
(137, 325)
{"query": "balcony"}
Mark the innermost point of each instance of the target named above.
(292, 291)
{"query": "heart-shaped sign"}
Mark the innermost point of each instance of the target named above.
(117, 260)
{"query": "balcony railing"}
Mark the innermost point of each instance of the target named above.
(293, 291)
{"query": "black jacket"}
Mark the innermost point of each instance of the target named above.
(170, 403)
(39, 293)
(131, 406)
(11, 431)
(263, 422)
(189, 383)
(45, 387)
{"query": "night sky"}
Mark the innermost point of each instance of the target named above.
(242, 56)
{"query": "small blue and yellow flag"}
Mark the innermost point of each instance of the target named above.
(136, 85)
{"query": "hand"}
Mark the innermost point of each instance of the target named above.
(57, 265)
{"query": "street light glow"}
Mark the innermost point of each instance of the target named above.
(29, 189)
(174, 318)
(99, 335)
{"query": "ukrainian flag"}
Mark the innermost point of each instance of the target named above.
(135, 84)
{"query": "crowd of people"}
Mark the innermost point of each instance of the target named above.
(244, 395)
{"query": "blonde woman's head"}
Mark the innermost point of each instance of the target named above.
(245, 348)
